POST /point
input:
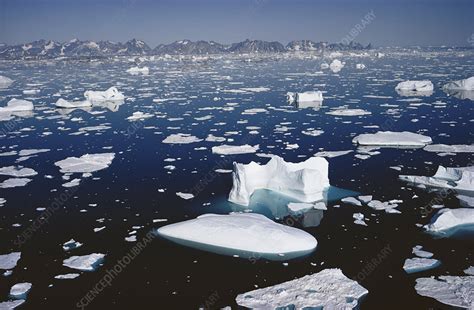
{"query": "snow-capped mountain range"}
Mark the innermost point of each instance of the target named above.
(44, 49)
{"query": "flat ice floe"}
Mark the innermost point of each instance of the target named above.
(14, 182)
(418, 264)
(17, 172)
(455, 148)
(138, 70)
(181, 138)
(20, 290)
(447, 219)
(418, 86)
(348, 112)
(328, 289)
(331, 154)
(86, 163)
(67, 276)
(241, 234)
(392, 139)
(5, 82)
(307, 96)
(85, 262)
(305, 181)
(234, 149)
(62, 103)
(139, 116)
(11, 304)
(456, 291)
(9, 261)
(461, 179)
(17, 105)
(111, 94)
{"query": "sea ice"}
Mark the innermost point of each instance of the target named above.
(305, 181)
(84, 262)
(181, 138)
(234, 149)
(307, 96)
(139, 116)
(461, 179)
(418, 264)
(14, 182)
(11, 304)
(85, 163)
(9, 261)
(417, 250)
(328, 289)
(138, 70)
(20, 290)
(392, 139)
(241, 232)
(348, 112)
(455, 148)
(17, 172)
(5, 82)
(446, 219)
(67, 276)
(418, 86)
(111, 94)
(466, 84)
(351, 201)
(61, 103)
(456, 291)
(17, 105)
(185, 196)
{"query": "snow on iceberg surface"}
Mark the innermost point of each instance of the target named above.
(460, 179)
(111, 94)
(418, 86)
(447, 219)
(305, 181)
(84, 262)
(17, 105)
(241, 234)
(327, 289)
(456, 291)
(392, 139)
(466, 84)
(307, 96)
(85, 163)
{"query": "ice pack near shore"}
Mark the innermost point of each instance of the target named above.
(305, 181)
(241, 234)
(111, 94)
(85, 262)
(328, 289)
(392, 139)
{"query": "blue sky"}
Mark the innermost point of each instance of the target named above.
(396, 23)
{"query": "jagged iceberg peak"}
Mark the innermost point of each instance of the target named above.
(305, 181)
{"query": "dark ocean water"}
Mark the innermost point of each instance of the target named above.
(126, 194)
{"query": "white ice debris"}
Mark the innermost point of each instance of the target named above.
(348, 112)
(456, 291)
(139, 116)
(14, 182)
(61, 103)
(5, 82)
(234, 149)
(418, 86)
(19, 290)
(181, 138)
(365, 198)
(351, 201)
(336, 65)
(466, 84)
(328, 289)
(360, 66)
(185, 196)
(455, 148)
(71, 244)
(137, 70)
(67, 276)
(17, 172)
(111, 94)
(307, 96)
(9, 261)
(446, 219)
(11, 304)
(359, 219)
(305, 181)
(331, 154)
(418, 251)
(84, 262)
(17, 105)
(392, 139)
(246, 232)
(86, 163)
(455, 178)
(418, 264)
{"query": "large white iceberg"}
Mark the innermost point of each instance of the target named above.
(327, 289)
(466, 84)
(111, 94)
(305, 181)
(61, 103)
(418, 86)
(392, 139)
(86, 163)
(17, 105)
(461, 179)
(447, 219)
(240, 233)
(456, 291)
(307, 96)
(84, 262)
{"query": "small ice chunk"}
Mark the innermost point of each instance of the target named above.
(248, 232)
(305, 181)
(20, 290)
(348, 112)
(181, 138)
(297, 207)
(5, 82)
(185, 196)
(14, 182)
(461, 178)
(234, 149)
(331, 154)
(365, 199)
(360, 66)
(84, 262)
(9, 261)
(352, 201)
(419, 86)
(71, 245)
(307, 96)
(111, 94)
(61, 103)
(67, 276)
(417, 250)
(418, 264)
(138, 70)
(392, 139)
(139, 116)
(328, 289)
(11, 304)
(359, 219)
